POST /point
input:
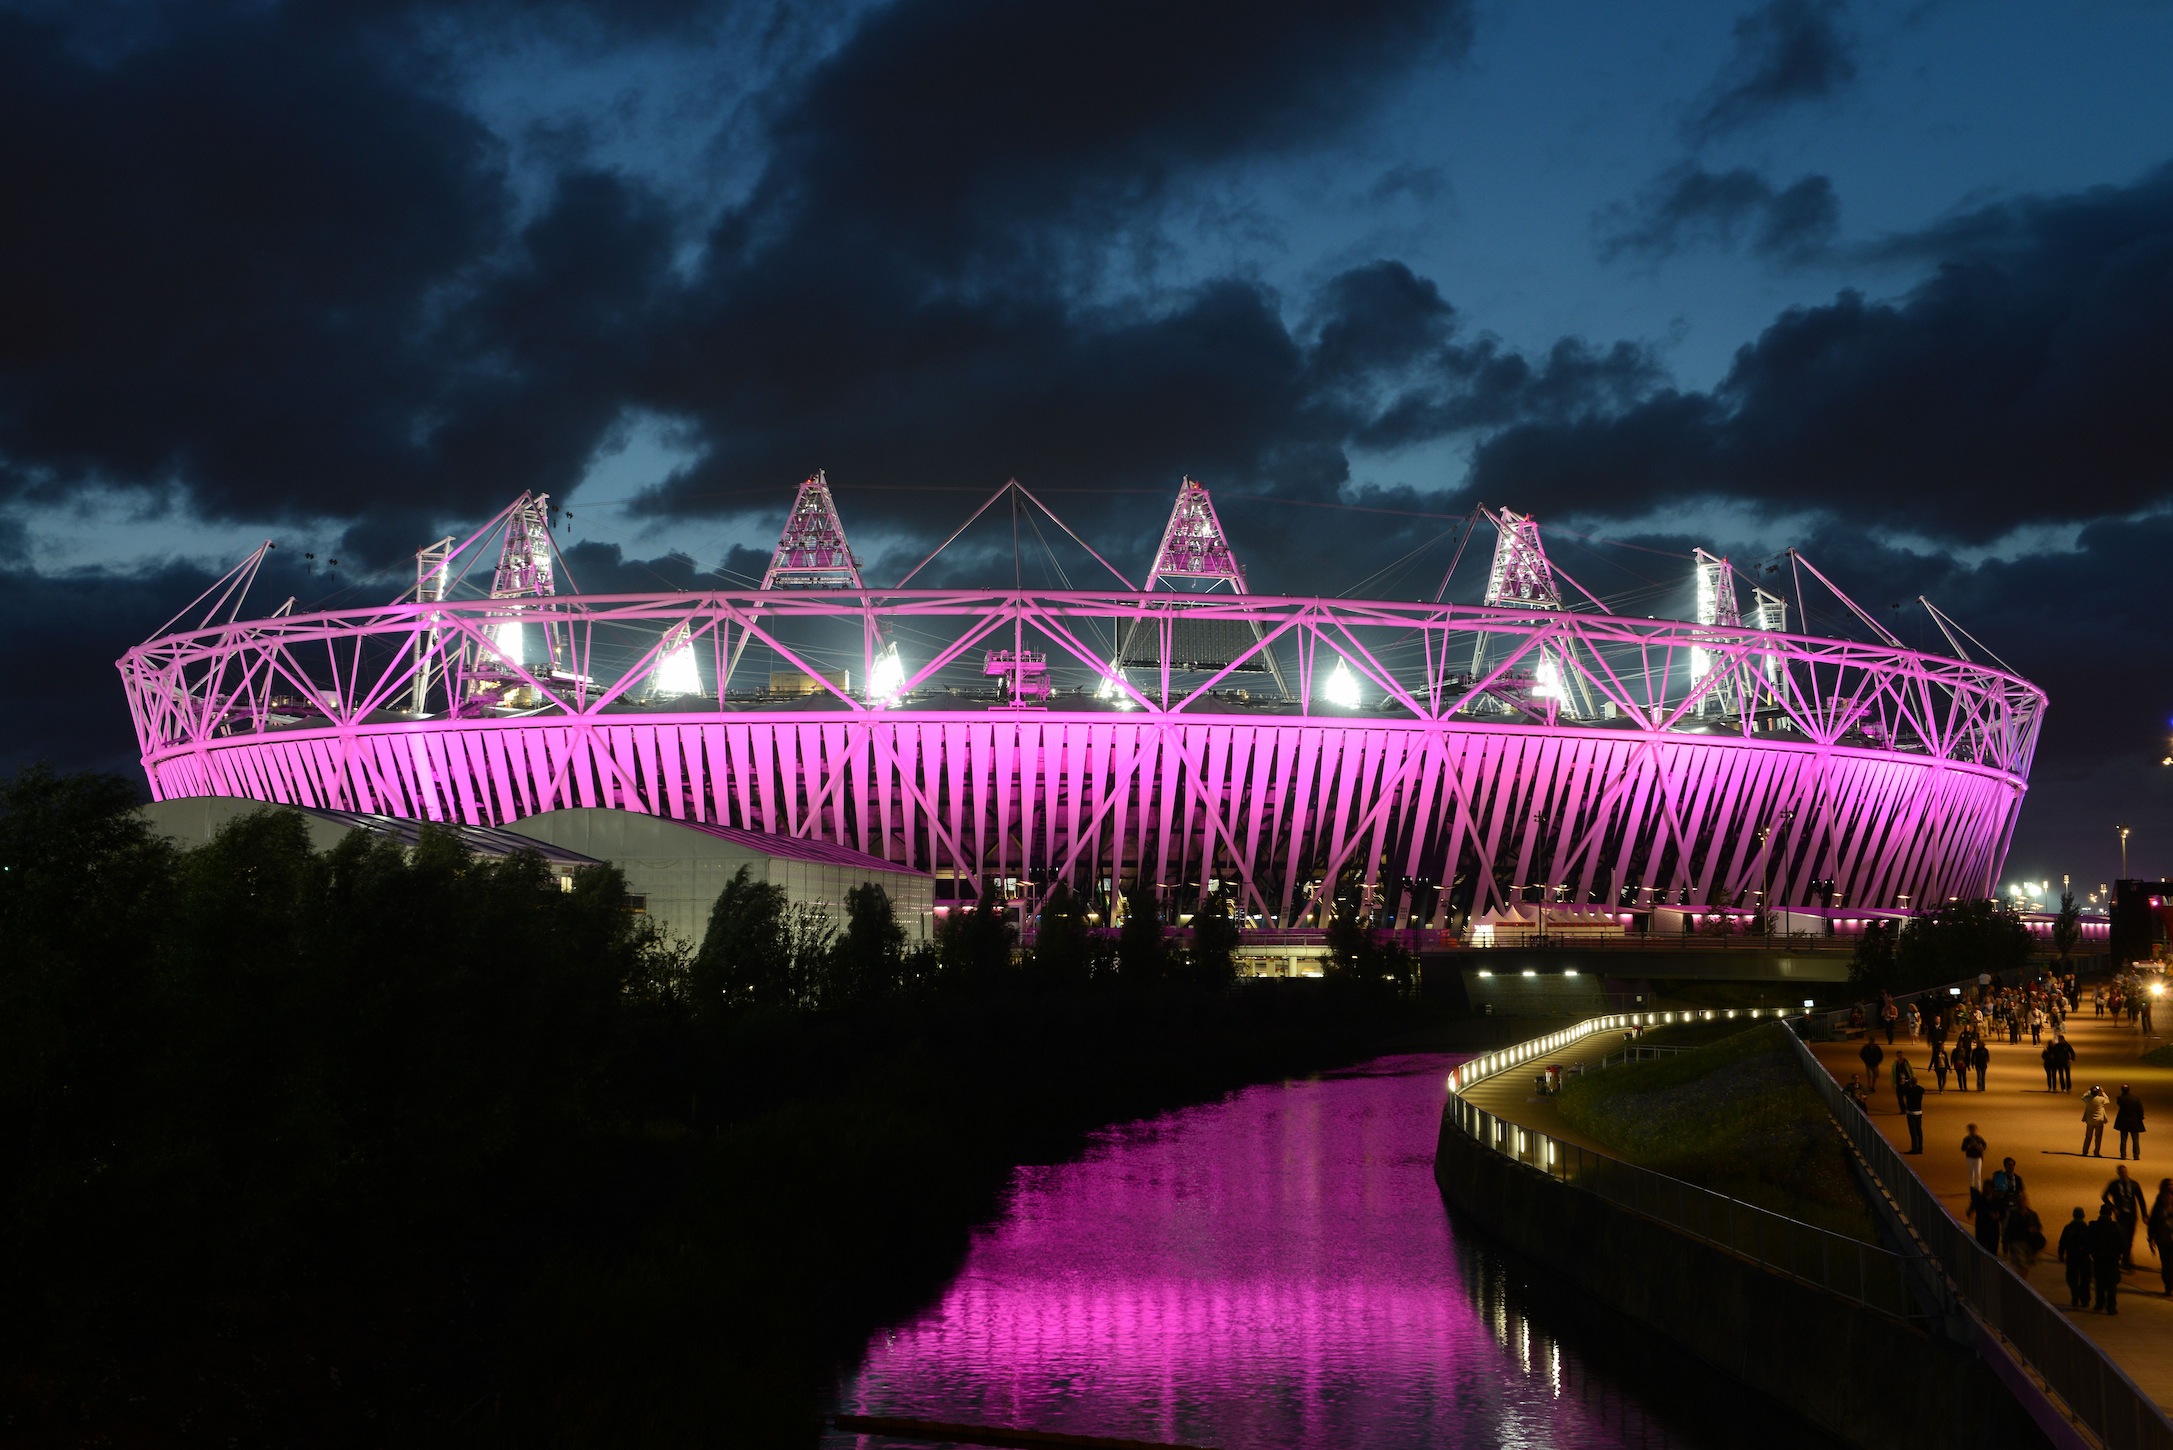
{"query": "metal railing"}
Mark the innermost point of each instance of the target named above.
(1873, 1277)
(1637, 1053)
(1864, 1273)
(1488, 1064)
(2097, 1392)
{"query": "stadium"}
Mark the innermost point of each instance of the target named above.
(1426, 764)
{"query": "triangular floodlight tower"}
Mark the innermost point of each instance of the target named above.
(433, 577)
(1714, 584)
(811, 552)
(1194, 548)
(1194, 557)
(1522, 577)
(1769, 612)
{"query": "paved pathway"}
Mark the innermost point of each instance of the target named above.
(1514, 1097)
(2042, 1132)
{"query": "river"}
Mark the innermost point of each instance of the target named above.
(1277, 1270)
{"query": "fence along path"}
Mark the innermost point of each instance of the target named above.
(1864, 1273)
(2095, 1391)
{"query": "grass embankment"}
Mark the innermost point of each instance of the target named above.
(1735, 1116)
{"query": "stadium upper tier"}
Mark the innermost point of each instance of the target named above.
(1429, 759)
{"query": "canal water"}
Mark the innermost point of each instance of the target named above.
(1277, 1270)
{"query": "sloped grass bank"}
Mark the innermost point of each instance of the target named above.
(1736, 1117)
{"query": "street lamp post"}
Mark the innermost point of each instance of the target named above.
(2123, 851)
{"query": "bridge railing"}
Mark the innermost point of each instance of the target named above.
(2096, 1391)
(1852, 1268)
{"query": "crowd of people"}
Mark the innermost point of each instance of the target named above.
(2094, 1252)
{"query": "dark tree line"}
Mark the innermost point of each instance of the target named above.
(1963, 939)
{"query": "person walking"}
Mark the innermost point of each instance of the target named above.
(1960, 1058)
(2063, 1057)
(2052, 1068)
(1986, 1210)
(2025, 1234)
(2094, 1113)
(1980, 1058)
(2124, 1196)
(2128, 1121)
(1939, 1066)
(2074, 1254)
(1916, 1023)
(2037, 1022)
(2161, 1233)
(1973, 1150)
(1887, 1018)
(1912, 1106)
(2105, 1259)
(1901, 1076)
(1872, 1055)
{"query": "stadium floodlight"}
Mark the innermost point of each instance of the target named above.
(1547, 679)
(886, 676)
(677, 675)
(1341, 687)
(507, 637)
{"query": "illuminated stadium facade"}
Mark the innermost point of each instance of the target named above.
(1424, 760)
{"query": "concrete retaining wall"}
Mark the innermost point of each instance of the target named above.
(1858, 1374)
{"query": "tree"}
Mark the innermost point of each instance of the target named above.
(1063, 941)
(1214, 943)
(1871, 968)
(1142, 955)
(974, 943)
(1965, 939)
(747, 956)
(2067, 927)
(867, 962)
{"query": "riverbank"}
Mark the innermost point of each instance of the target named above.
(702, 1278)
(1734, 1115)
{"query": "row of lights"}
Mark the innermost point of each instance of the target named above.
(1497, 1062)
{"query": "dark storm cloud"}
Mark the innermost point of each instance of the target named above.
(1786, 52)
(276, 266)
(2024, 381)
(1692, 206)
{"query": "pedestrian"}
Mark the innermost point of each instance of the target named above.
(1872, 1055)
(2063, 1057)
(2014, 1027)
(1980, 1058)
(2052, 1068)
(2128, 1121)
(2037, 1022)
(1960, 1058)
(1916, 1023)
(1973, 1149)
(2094, 1113)
(2097, 1002)
(2124, 1196)
(2074, 1252)
(1902, 1077)
(1986, 1210)
(2105, 1259)
(2025, 1235)
(1887, 1017)
(2161, 1233)
(1939, 1065)
(1853, 1090)
(1936, 1034)
(1912, 1106)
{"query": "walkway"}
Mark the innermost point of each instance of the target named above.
(1513, 1096)
(2043, 1133)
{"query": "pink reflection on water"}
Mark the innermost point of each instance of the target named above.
(1272, 1270)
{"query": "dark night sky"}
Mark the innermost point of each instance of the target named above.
(1892, 285)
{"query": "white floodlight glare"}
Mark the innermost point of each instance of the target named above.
(1341, 687)
(676, 672)
(507, 637)
(1547, 679)
(886, 675)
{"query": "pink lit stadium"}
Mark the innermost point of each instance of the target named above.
(1429, 763)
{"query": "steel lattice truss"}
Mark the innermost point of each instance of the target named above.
(1887, 772)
